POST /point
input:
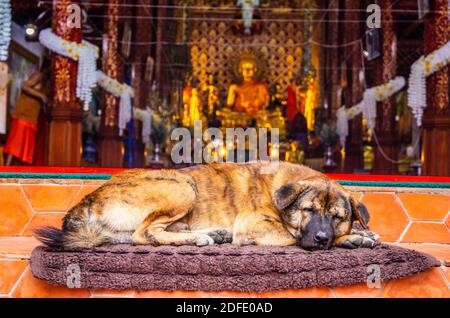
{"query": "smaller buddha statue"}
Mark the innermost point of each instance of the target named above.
(251, 96)
(195, 107)
(212, 93)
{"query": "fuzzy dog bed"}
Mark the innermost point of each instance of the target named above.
(225, 267)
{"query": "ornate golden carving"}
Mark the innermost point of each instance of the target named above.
(110, 59)
(62, 80)
(279, 44)
(65, 70)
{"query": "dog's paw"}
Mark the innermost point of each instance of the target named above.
(357, 239)
(220, 236)
(366, 233)
(203, 240)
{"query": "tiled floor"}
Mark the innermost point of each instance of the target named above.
(418, 220)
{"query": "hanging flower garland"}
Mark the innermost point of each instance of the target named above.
(85, 53)
(5, 29)
(123, 91)
(368, 106)
(145, 116)
(420, 70)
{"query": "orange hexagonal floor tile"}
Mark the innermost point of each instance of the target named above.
(358, 291)
(315, 292)
(446, 271)
(105, 293)
(429, 284)
(357, 195)
(426, 207)
(17, 246)
(189, 294)
(85, 190)
(10, 271)
(440, 251)
(51, 198)
(44, 219)
(425, 232)
(15, 211)
(30, 287)
(387, 217)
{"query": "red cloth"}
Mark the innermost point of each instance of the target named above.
(22, 140)
(291, 103)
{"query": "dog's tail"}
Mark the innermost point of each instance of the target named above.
(85, 236)
(50, 236)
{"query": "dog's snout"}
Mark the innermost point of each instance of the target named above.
(321, 237)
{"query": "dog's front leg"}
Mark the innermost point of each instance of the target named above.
(161, 237)
(357, 238)
(155, 231)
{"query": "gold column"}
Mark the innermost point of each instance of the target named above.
(66, 110)
(111, 148)
(353, 91)
(386, 69)
(436, 122)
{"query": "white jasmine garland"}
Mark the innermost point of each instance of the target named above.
(85, 53)
(420, 70)
(145, 116)
(368, 106)
(117, 89)
(5, 29)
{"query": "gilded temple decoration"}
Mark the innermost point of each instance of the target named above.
(437, 29)
(65, 70)
(214, 44)
(110, 59)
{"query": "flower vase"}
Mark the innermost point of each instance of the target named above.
(329, 164)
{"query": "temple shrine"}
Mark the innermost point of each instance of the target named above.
(347, 86)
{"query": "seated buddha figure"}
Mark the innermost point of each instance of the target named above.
(251, 96)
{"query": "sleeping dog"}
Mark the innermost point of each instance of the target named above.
(216, 203)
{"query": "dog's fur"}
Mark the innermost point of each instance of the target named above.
(215, 203)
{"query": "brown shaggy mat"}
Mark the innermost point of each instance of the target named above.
(226, 267)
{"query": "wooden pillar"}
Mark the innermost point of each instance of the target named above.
(162, 14)
(386, 69)
(66, 110)
(436, 122)
(111, 146)
(140, 85)
(333, 59)
(353, 92)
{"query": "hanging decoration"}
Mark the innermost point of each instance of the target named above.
(420, 70)
(248, 6)
(85, 53)
(5, 29)
(145, 116)
(368, 106)
(125, 92)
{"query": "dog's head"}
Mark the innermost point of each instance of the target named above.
(317, 211)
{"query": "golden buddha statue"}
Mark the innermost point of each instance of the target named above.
(195, 107)
(251, 96)
(192, 105)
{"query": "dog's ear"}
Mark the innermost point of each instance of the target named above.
(287, 194)
(359, 213)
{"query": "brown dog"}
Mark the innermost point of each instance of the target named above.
(217, 203)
